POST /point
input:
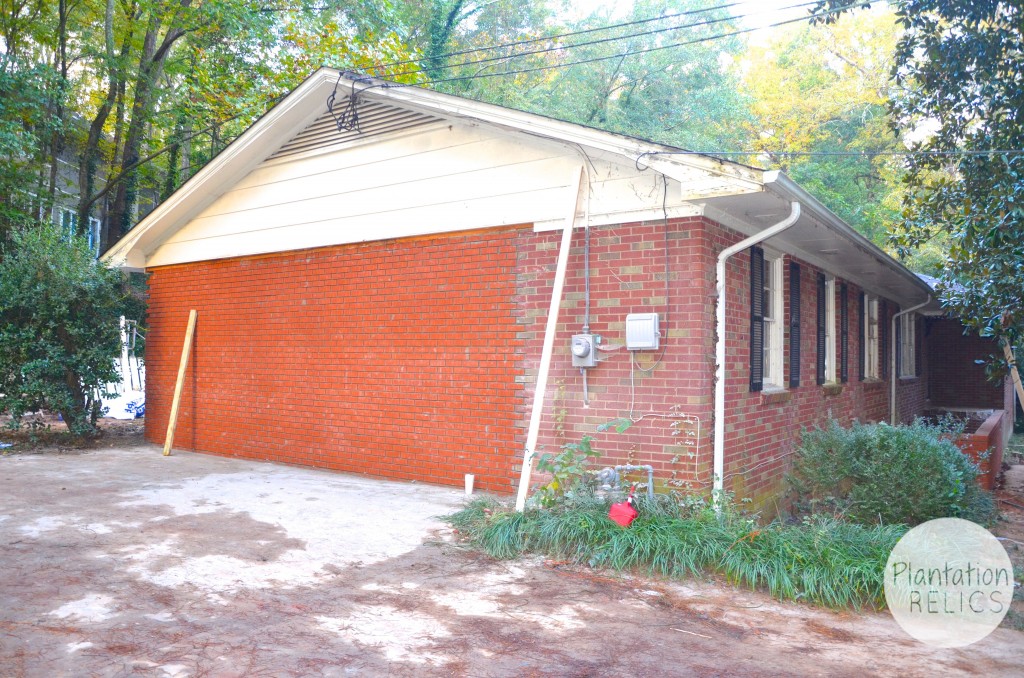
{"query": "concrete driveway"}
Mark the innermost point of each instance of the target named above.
(122, 562)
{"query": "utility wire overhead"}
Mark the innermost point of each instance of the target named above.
(588, 43)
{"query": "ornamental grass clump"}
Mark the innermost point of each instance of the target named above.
(821, 560)
(877, 473)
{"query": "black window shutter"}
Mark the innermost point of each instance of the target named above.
(821, 329)
(844, 334)
(918, 345)
(883, 336)
(794, 324)
(861, 324)
(756, 318)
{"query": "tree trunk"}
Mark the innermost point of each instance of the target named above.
(151, 64)
(90, 157)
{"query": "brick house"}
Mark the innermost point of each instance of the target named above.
(393, 287)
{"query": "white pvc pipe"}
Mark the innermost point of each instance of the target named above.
(533, 431)
(719, 448)
(892, 358)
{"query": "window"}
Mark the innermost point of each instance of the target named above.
(869, 337)
(830, 330)
(766, 320)
(883, 331)
(908, 359)
(69, 222)
(773, 321)
(94, 235)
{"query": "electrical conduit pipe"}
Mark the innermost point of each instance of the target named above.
(892, 372)
(533, 430)
(723, 257)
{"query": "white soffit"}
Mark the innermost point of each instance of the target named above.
(819, 242)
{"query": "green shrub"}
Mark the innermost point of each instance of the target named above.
(59, 334)
(823, 560)
(873, 473)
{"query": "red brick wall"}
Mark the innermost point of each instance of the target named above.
(762, 428)
(986, 447)
(417, 358)
(627, 275)
(958, 380)
(396, 358)
(912, 392)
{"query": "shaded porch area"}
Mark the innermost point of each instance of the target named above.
(958, 386)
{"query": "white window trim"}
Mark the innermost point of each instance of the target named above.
(830, 330)
(871, 370)
(94, 235)
(908, 357)
(774, 326)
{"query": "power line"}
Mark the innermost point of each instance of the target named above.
(589, 43)
(559, 36)
(647, 50)
(558, 48)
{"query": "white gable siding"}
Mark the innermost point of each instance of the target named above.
(434, 179)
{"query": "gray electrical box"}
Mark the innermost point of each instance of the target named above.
(642, 332)
(584, 349)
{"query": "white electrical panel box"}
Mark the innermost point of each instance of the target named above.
(642, 332)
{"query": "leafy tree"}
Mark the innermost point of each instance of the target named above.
(59, 334)
(637, 81)
(960, 64)
(819, 103)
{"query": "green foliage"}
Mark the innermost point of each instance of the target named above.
(823, 89)
(59, 337)
(874, 473)
(822, 560)
(957, 72)
(24, 122)
(567, 469)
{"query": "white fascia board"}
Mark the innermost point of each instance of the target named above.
(294, 113)
(253, 146)
(671, 162)
(787, 189)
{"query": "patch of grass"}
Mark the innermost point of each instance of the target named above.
(822, 560)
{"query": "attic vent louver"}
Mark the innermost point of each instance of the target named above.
(375, 119)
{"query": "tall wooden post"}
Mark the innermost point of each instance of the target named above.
(180, 384)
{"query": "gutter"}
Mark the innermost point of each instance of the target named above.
(533, 432)
(723, 257)
(892, 359)
(787, 189)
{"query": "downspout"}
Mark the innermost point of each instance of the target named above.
(892, 359)
(719, 449)
(533, 431)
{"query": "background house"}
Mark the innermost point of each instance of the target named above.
(373, 297)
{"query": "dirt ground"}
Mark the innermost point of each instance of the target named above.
(117, 561)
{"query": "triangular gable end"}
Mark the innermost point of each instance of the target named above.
(418, 163)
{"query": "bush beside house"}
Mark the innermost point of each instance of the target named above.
(877, 473)
(59, 337)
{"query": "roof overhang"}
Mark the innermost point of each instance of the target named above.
(743, 198)
(302, 106)
(822, 239)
